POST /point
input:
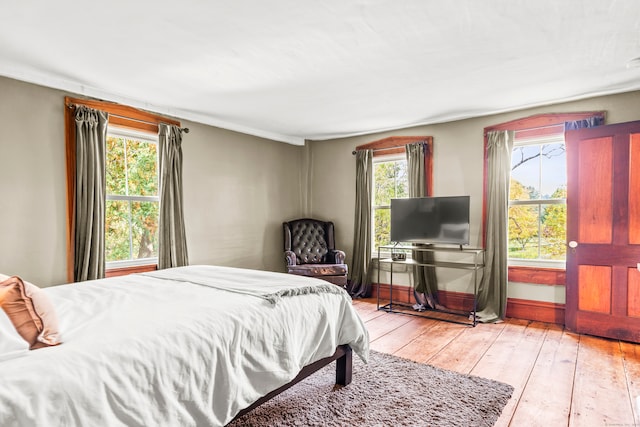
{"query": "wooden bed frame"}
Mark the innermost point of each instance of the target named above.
(344, 365)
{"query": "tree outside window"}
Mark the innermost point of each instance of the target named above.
(537, 194)
(132, 207)
(390, 181)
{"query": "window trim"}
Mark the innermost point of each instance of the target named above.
(384, 158)
(123, 116)
(150, 138)
(528, 141)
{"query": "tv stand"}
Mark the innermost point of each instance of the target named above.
(475, 266)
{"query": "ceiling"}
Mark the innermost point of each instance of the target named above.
(291, 70)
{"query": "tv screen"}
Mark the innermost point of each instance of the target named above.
(430, 220)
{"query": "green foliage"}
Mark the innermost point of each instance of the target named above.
(537, 232)
(523, 220)
(390, 182)
(131, 226)
(554, 230)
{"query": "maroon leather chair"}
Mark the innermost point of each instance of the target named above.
(310, 251)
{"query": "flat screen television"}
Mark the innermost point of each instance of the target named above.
(430, 220)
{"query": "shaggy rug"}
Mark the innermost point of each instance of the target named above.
(386, 391)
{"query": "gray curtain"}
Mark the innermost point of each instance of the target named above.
(172, 242)
(425, 281)
(584, 123)
(492, 292)
(360, 283)
(90, 194)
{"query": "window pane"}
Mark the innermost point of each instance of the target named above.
(390, 182)
(525, 168)
(382, 227)
(142, 161)
(538, 172)
(554, 226)
(523, 232)
(115, 168)
(402, 182)
(553, 170)
(144, 229)
(117, 231)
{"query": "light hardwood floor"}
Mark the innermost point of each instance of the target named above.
(560, 378)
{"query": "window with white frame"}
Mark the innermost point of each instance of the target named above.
(537, 201)
(390, 181)
(132, 207)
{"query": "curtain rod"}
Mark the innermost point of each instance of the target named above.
(395, 147)
(528, 129)
(185, 130)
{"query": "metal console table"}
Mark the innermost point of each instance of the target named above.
(475, 267)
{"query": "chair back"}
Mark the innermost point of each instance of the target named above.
(310, 239)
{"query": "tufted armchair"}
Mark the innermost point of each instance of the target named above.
(310, 251)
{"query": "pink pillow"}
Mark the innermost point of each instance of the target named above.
(30, 311)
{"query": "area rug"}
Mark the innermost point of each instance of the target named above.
(386, 391)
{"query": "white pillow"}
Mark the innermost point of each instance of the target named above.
(11, 344)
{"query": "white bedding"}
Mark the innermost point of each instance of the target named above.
(141, 350)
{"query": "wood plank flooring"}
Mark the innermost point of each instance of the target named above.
(560, 378)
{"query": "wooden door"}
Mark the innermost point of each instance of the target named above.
(603, 225)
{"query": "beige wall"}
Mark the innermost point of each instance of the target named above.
(237, 190)
(32, 183)
(458, 170)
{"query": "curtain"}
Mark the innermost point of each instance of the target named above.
(90, 194)
(172, 242)
(585, 123)
(492, 292)
(425, 282)
(360, 283)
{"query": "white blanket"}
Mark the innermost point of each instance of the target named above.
(188, 347)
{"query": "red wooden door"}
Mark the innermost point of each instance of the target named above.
(603, 226)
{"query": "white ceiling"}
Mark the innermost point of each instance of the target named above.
(291, 70)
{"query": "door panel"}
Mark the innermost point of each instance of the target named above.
(603, 218)
(634, 196)
(595, 193)
(633, 293)
(594, 288)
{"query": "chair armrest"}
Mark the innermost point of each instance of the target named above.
(290, 257)
(335, 256)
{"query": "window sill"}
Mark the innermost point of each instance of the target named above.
(123, 271)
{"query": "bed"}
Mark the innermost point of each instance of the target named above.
(195, 345)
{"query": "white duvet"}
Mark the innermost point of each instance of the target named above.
(179, 347)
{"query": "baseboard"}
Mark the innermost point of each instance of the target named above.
(401, 294)
(540, 311)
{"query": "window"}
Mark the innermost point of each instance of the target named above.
(537, 205)
(131, 219)
(132, 208)
(389, 182)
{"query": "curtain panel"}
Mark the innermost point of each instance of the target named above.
(425, 281)
(172, 242)
(90, 194)
(585, 123)
(360, 282)
(492, 292)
